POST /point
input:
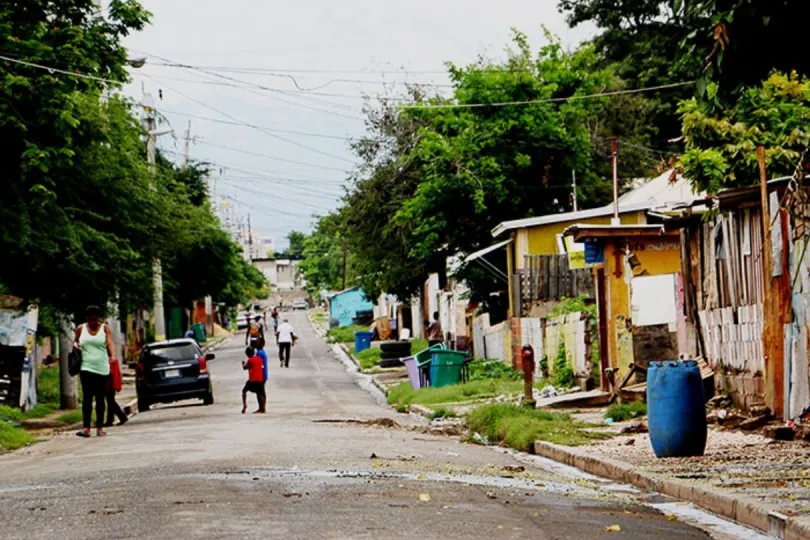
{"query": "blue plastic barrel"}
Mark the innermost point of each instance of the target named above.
(362, 341)
(676, 412)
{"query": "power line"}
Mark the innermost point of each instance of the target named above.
(267, 156)
(253, 126)
(261, 130)
(546, 100)
(61, 71)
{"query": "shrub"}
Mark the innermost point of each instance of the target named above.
(563, 372)
(493, 369)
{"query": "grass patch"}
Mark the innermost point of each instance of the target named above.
(625, 411)
(418, 345)
(319, 316)
(71, 417)
(345, 334)
(369, 357)
(442, 412)
(48, 391)
(13, 437)
(518, 427)
(487, 388)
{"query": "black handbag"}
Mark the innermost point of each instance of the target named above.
(74, 362)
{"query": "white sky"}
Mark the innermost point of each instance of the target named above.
(361, 36)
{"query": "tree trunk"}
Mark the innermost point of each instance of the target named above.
(67, 385)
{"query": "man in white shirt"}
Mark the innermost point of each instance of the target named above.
(285, 337)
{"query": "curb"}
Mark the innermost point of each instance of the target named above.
(743, 510)
(345, 351)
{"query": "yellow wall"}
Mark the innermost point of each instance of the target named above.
(658, 255)
(543, 238)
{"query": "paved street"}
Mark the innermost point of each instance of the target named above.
(192, 471)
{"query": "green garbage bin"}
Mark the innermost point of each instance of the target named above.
(199, 332)
(446, 367)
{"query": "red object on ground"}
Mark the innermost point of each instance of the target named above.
(115, 375)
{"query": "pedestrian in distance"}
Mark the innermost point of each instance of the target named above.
(274, 316)
(435, 331)
(94, 339)
(255, 382)
(255, 331)
(114, 385)
(285, 337)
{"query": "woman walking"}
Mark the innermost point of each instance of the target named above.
(95, 341)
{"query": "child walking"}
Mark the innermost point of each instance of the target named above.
(255, 383)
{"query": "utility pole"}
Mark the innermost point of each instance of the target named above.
(614, 150)
(344, 268)
(157, 270)
(68, 391)
(185, 145)
(574, 187)
(250, 240)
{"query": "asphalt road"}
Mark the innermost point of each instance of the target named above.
(186, 470)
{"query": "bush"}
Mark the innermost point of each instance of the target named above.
(625, 411)
(518, 427)
(563, 372)
(493, 369)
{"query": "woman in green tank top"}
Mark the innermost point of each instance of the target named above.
(95, 341)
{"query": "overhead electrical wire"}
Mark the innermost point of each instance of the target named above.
(261, 130)
(266, 156)
(546, 100)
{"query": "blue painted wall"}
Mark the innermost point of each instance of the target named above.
(344, 305)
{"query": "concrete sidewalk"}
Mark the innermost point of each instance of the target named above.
(748, 478)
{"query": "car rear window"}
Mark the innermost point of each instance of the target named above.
(177, 352)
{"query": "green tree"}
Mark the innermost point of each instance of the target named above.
(295, 249)
(721, 144)
(74, 177)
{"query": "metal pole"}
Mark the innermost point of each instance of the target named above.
(69, 395)
(185, 145)
(615, 153)
(574, 187)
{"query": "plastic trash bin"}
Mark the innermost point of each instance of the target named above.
(423, 359)
(413, 372)
(446, 367)
(199, 332)
(362, 341)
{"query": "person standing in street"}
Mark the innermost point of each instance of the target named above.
(255, 331)
(435, 331)
(94, 339)
(255, 382)
(285, 337)
(260, 352)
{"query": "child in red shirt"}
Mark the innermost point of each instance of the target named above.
(255, 382)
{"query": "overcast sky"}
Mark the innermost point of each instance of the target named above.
(325, 44)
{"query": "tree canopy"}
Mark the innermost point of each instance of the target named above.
(83, 214)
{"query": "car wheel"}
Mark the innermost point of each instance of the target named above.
(143, 405)
(208, 399)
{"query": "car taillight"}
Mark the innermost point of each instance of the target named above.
(139, 371)
(203, 365)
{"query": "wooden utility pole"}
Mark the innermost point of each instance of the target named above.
(185, 145)
(614, 151)
(344, 268)
(772, 329)
(574, 187)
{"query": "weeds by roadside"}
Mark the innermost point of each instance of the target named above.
(368, 358)
(345, 334)
(442, 412)
(403, 394)
(620, 412)
(13, 437)
(518, 427)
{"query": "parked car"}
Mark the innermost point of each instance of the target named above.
(300, 304)
(173, 370)
(242, 320)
